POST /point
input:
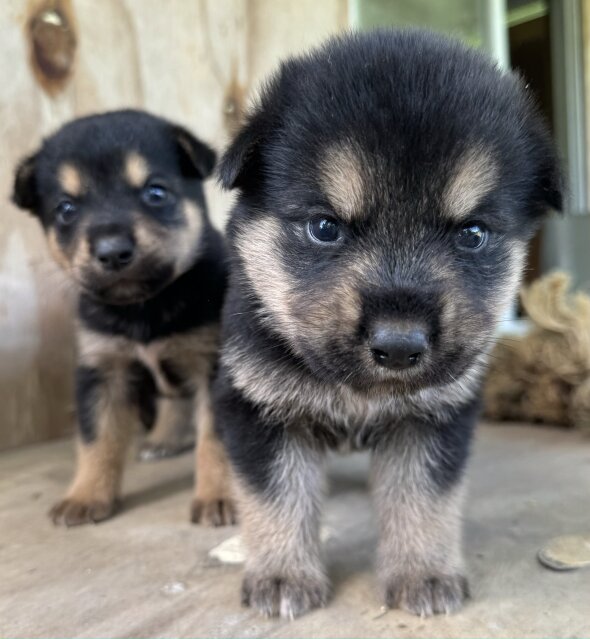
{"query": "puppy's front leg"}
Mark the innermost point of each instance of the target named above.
(279, 481)
(107, 416)
(280, 526)
(418, 491)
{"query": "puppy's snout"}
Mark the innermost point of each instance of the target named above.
(114, 252)
(397, 348)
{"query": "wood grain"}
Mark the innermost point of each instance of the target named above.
(194, 61)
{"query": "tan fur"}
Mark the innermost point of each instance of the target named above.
(174, 417)
(98, 350)
(420, 528)
(279, 390)
(285, 519)
(188, 239)
(82, 255)
(177, 246)
(100, 463)
(506, 293)
(293, 314)
(70, 180)
(342, 181)
(474, 178)
(213, 499)
(191, 352)
(137, 169)
(181, 243)
(56, 251)
(97, 482)
(315, 316)
(257, 247)
(151, 238)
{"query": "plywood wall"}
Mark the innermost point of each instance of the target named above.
(195, 61)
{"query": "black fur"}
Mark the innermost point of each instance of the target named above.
(412, 110)
(88, 383)
(175, 309)
(142, 393)
(452, 442)
(251, 454)
(162, 303)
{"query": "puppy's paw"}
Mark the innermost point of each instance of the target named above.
(74, 512)
(288, 597)
(151, 451)
(213, 512)
(427, 595)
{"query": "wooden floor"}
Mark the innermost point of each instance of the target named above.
(148, 572)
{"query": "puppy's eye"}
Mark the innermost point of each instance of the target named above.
(324, 229)
(472, 236)
(66, 212)
(155, 195)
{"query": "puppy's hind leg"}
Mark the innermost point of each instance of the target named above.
(173, 433)
(107, 417)
(213, 502)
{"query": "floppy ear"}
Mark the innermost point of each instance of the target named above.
(196, 158)
(240, 163)
(24, 193)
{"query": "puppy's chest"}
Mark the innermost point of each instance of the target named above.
(152, 356)
(175, 363)
(349, 426)
(337, 420)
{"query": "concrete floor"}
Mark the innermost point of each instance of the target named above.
(148, 573)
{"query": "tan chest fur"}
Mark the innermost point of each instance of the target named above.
(191, 353)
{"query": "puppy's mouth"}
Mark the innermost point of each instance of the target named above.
(127, 289)
(375, 381)
(357, 369)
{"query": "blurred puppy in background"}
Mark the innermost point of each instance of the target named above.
(388, 186)
(121, 200)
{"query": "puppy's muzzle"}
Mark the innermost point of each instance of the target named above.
(114, 252)
(397, 348)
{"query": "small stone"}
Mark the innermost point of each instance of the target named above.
(230, 551)
(173, 588)
(566, 553)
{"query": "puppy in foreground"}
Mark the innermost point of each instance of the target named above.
(388, 186)
(121, 200)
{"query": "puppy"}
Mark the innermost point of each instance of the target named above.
(121, 200)
(388, 186)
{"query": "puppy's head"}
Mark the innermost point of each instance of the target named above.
(389, 184)
(120, 197)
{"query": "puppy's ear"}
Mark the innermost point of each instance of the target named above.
(241, 161)
(24, 193)
(196, 158)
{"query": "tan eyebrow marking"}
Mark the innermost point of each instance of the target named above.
(136, 169)
(70, 179)
(475, 176)
(341, 178)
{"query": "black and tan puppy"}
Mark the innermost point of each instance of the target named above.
(389, 184)
(121, 199)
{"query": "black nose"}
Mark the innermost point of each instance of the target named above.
(397, 348)
(114, 252)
